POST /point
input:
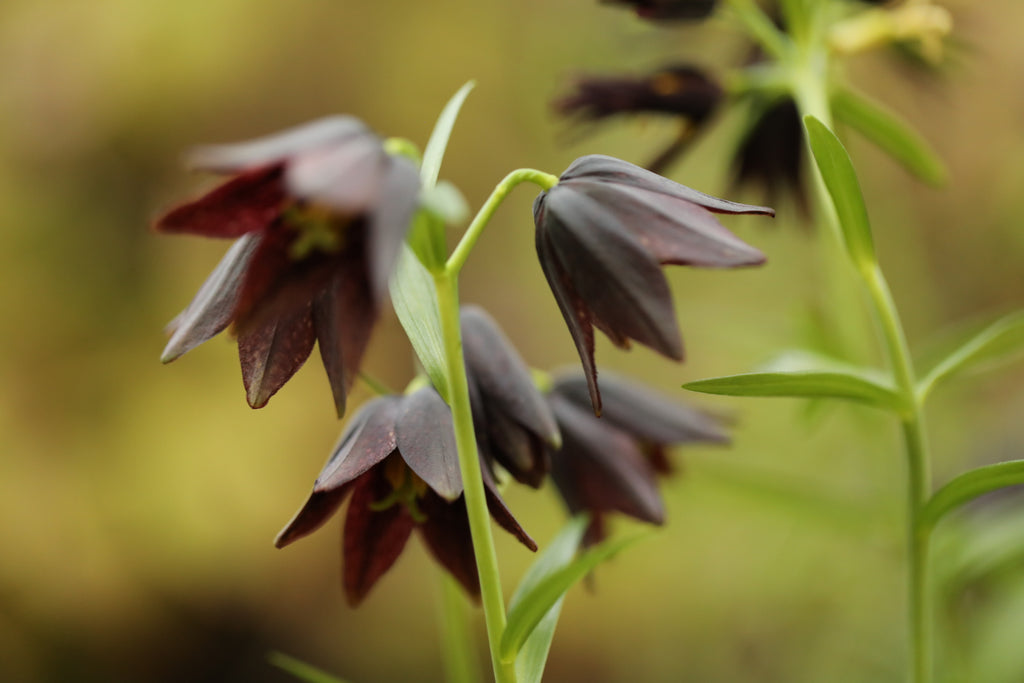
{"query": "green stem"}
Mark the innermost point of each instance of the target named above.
(810, 89)
(461, 252)
(460, 665)
(472, 478)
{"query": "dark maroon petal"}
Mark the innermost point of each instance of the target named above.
(212, 309)
(600, 468)
(574, 309)
(519, 451)
(679, 89)
(426, 440)
(389, 222)
(447, 535)
(343, 317)
(373, 539)
(612, 170)
(368, 439)
(649, 416)
(275, 148)
(313, 515)
(249, 202)
(503, 516)
(502, 376)
(346, 176)
(673, 230)
(271, 349)
(621, 283)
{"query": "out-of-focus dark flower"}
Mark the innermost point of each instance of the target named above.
(514, 425)
(319, 213)
(771, 153)
(610, 464)
(603, 233)
(669, 9)
(681, 91)
(398, 460)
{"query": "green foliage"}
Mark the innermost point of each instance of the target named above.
(414, 296)
(969, 486)
(438, 143)
(301, 670)
(996, 342)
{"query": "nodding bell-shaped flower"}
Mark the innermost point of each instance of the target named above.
(770, 153)
(397, 462)
(611, 463)
(669, 9)
(319, 213)
(603, 233)
(514, 424)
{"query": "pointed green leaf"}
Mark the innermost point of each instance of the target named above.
(841, 182)
(534, 653)
(969, 486)
(414, 297)
(446, 202)
(804, 384)
(996, 342)
(301, 670)
(893, 135)
(438, 143)
(539, 598)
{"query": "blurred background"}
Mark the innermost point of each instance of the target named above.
(138, 503)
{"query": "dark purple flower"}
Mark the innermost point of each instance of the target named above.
(770, 154)
(514, 425)
(611, 463)
(669, 9)
(398, 460)
(319, 213)
(603, 233)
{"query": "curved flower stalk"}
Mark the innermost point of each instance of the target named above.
(319, 212)
(603, 233)
(397, 461)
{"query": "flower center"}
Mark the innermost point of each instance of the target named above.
(406, 489)
(319, 229)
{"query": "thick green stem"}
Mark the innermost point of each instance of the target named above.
(472, 477)
(483, 217)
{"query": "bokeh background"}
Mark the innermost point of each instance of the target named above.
(138, 502)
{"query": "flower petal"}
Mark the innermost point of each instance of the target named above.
(647, 415)
(346, 176)
(343, 317)
(366, 441)
(271, 348)
(519, 451)
(212, 309)
(673, 230)
(373, 539)
(275, 148)
(610, 169)
(426, 439)
(502, 376)
(600, 468)
(389, 222)
(247, 203)
(313, 515)
(502, 515)
(446, 533)
(621, 283)
(574, 309)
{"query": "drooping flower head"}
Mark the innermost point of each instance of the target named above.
(771, 152)
(319, 213)
(514, 425)
(397, 462)
(611, 463)
(603, 233)
(669, 9)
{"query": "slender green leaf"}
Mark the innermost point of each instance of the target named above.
(446, 202)
(559, 553)
(996, 342)
(300, 669)
(414, 297)
(891, 134)
(438, 143)
(804, 384)
(969, 486)
(538, 599)
(841, 181)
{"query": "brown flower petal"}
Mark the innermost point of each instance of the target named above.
(249, 202)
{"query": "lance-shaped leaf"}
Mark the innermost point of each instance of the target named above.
(841, 182)
(438, 142)
(996, 342)
(414, 296)
(301, 670)
(969, 486)
(538, 599)
(859, 387)
(559, 553)
(890, 133)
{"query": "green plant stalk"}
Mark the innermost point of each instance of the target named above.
(460, 665)
(447, 285)
(810, 89)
